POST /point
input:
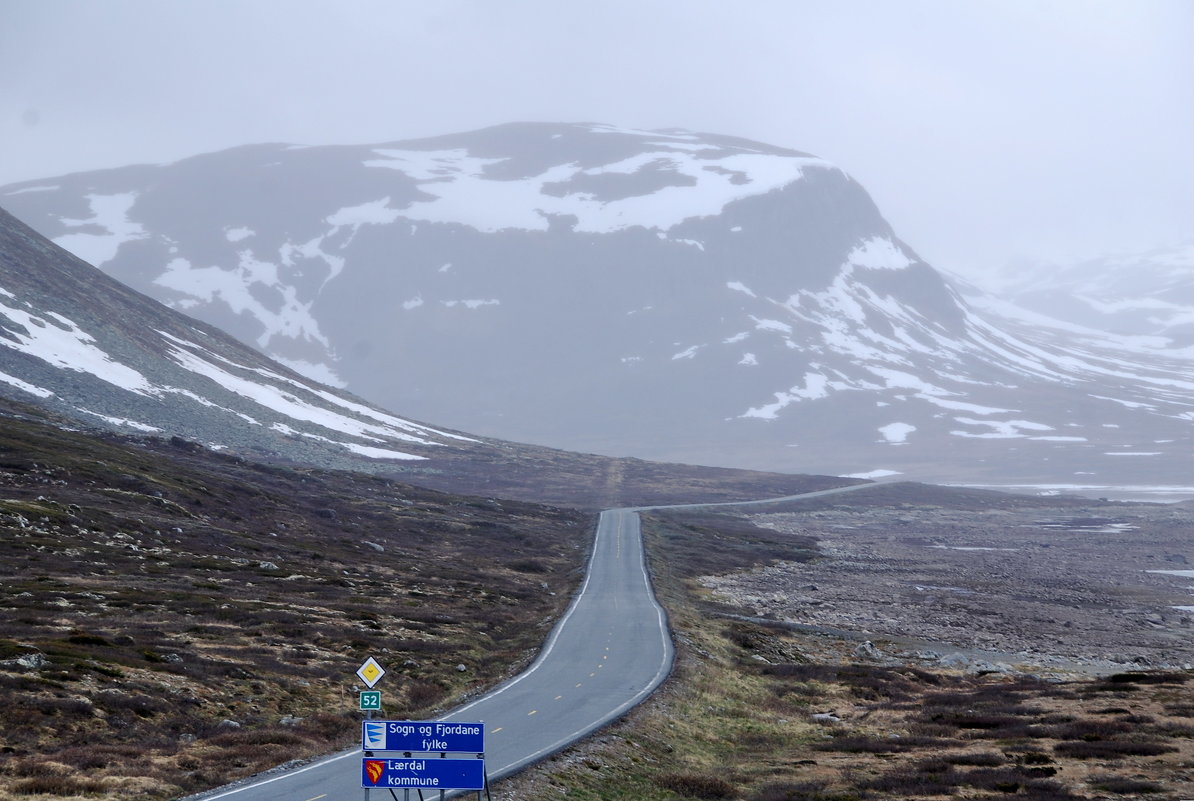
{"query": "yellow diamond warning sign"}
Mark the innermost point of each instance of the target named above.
(371, 672)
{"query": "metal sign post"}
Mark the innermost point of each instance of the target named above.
(370, 672)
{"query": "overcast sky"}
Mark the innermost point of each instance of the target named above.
(986, 131)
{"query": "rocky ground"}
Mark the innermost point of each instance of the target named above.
(893, 666)
(173, 618)
(1056, 582)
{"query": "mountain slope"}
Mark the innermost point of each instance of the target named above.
(70, 332)
(666, 294)
(1141, 294)
(76, 342)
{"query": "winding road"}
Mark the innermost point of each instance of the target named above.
(608, 652)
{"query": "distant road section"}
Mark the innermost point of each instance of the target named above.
(608, 652)
(800, 497)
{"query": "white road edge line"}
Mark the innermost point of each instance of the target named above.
(555, 632)
(285, 775)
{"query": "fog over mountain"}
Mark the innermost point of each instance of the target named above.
(86, 346)
(101, 358)
(665, 294)
(1149, 293)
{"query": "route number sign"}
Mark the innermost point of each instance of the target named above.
(370, 700)
(371, 672)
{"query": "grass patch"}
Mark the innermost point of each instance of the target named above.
(1122, 785)
(155, 591)
(696, 785)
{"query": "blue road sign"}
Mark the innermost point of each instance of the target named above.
(423, 736)
(437, 774)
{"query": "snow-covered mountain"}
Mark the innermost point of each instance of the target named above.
(1147, 294)
(67, 332)
(664, 294)
(103, 357)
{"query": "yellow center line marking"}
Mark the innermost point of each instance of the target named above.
(495, 731)
(532, 712)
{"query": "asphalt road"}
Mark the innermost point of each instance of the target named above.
(608, 652)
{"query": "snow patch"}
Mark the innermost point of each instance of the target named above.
(771, 325)
(879, 253)
(384, 418)
(1126, 404)
(122, 421)
(60, 342)
(881, 473)
(25, 386)
(288, 404)
(896, 433)
(109, 212)
(960, 406)
(738, 286)
(815, 386)
(237, 234)
(431, 165)
(899, 379)
(312, 249)
(320, 372)
(292, 318)
(379, 453)
(376, 212)
(462, 193)
(1001, 429)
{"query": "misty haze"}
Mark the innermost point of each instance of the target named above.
(790, 401)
